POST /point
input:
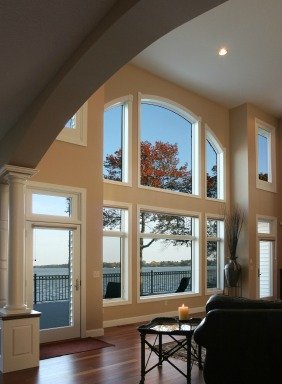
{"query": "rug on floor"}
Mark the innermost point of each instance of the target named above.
(68, 347)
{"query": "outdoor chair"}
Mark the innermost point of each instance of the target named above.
(183, 284)
(113, 290)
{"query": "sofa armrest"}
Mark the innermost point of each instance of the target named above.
(242, 346)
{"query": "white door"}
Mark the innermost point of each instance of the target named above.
(53, 279)
(265, 271)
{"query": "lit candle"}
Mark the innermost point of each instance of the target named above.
(183, 312)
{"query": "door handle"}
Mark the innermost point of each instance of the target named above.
(77, 284)
(259, 272)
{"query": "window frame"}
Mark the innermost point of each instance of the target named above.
(51, 190)
(126, 139)
(196, 248)
(270, 135)
(196, 139)
(220, 162)
(221, 259)
(77, 135)
(126, 259)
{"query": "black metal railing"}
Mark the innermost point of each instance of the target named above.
(57, 287)
(50, 288)
(158, 282)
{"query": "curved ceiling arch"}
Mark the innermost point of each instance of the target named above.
(128, 28)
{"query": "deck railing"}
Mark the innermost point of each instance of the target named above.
(57, 287)
(50, 288)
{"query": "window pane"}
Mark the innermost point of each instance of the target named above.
(51, 205)
(212, 264)
(113, 130)
(53, 283)
(264, 227)
(266, 273)
(71, 123)
(263, 156)
(212, 228)
(164, 223)
(211, 170)
(166, 149)
(112, 267)
(112, 219)
(163, 263)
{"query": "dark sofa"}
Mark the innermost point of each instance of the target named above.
(243, 341)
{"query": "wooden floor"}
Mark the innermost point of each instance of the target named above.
(119, 364)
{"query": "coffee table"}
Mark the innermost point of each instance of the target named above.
(172, 327)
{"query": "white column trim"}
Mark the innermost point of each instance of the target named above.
(16, 178)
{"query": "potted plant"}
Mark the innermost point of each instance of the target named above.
(233, 222)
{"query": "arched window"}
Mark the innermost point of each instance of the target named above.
(214, 168)
(168, 147)
(117, 117)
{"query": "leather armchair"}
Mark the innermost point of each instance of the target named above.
(243, 341)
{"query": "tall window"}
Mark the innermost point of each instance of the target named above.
(116, 142)
(75, 129)
(168, 148)
(169, 254)
(266, 166)
(215, 253)
(115, 253)
(266, 241)
(214, 168)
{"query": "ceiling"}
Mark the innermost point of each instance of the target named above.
(250, 72)
(36, 39)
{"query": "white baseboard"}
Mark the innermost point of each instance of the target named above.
(94, 332)
(140, 319)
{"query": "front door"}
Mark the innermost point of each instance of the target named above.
(53, 286)
(265, 272)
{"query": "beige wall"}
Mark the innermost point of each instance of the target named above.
(72, 165)
(243, 187)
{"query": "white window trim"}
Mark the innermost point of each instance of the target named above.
(126, 137)
(220, 266)
(196, 150)
(261, 184)
(221, 164)
(76, 195)
(80, 219)
(127, 257)
(77, 135)
(196, 260)
(272, 236)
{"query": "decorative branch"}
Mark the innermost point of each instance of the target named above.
(233, 222)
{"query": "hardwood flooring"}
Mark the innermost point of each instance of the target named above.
(119, 364)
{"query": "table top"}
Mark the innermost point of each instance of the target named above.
(170, 326)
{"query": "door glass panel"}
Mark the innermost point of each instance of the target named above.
(266, 265)
(52, 276)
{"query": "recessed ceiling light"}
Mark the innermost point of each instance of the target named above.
(222, 51)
